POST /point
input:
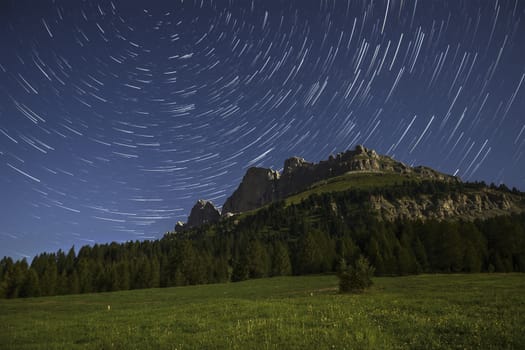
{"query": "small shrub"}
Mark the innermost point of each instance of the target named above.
(355, 278)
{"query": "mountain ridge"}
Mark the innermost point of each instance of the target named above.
(407, 221)
(261, 186)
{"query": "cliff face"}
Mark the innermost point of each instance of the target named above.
(203, 212)
(468, 206)
(262, 186)
(258, 187)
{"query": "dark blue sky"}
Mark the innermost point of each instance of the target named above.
(115, 117)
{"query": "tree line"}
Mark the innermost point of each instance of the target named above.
(306, 238)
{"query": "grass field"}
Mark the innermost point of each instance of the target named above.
(480, 311)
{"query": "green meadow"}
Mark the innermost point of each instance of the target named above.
(475, 311)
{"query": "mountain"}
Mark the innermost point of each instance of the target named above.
(363, 168)
(404, 220)
(261, 186)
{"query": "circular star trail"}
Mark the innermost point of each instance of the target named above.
(116, 116)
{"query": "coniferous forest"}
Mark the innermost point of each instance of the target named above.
(282, 239)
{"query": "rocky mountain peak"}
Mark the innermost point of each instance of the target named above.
(360, 149)
(363, 151)
(180, 226)
(261, 174)
(293, 163)
(258, 187)
(203, 212)
(262, 186)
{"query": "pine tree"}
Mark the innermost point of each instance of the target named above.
(30, 287)
(405, 261)
(240, 269)
(347, 248)
(222, 270)
(420, 255)
(123, 276)
(62, 286)
(73, 283)
(374, 254)
(48, 282)
(69, 265)
(472, 260)
(154, 281)
(281, 263)
(14, 277)
(85, 276)
(451, 248)
(143, 274)
(257, 259)
(308, 254)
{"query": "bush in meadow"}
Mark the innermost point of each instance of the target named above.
(355, 278)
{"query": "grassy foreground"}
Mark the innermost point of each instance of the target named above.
(480, 311)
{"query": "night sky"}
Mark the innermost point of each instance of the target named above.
(116, 116)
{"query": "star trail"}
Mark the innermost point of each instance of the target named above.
(116, 116)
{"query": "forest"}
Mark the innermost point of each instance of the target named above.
(280, 239)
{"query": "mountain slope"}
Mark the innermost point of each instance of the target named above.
(261, 186)
(436, 199)
(404, 220)
(364, 169)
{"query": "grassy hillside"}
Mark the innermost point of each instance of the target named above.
(385, 181)
(427, 311)
(353, 181)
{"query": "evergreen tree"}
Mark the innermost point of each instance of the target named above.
(30, 286)
(281, 263)
(69, 265)
(14, 276)
(406, 261)
(257, 259)
(450, 248)
(62, 286)
(113, 278)
(143, 274)
(73, 283)
(420, 255)
(310, 255)
(222, 271)
(85, 276)
(347, 248)
(99, 280)
(154, 281)
(240, 271)
(375, 256)
(123, 276)
(48, 282)
(472, 260)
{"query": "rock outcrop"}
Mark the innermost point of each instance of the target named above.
(180, 226)
(203, 212)
(467, 206)
(262, 186)
(258, 187)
